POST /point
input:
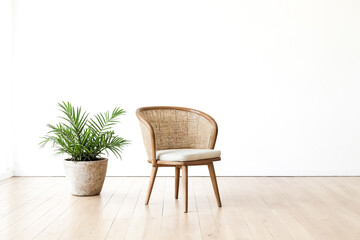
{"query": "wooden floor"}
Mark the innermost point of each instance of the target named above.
(254, 208)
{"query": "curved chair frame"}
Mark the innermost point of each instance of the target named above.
(149, 138)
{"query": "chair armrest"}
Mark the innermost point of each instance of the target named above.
(148, 139)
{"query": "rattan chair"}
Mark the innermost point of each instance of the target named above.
(179, 137)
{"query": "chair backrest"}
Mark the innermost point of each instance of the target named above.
(176, 128)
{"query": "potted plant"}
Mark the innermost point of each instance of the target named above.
(85, 140)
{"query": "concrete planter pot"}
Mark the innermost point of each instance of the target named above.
(85, 178)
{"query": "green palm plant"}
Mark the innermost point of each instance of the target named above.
(85, 139)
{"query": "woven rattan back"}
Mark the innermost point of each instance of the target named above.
(175, 128)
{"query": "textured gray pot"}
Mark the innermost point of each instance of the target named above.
(85, 178)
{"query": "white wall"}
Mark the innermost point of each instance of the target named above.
(280, 77)
(6, 146)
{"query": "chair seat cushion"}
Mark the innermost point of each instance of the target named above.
(181, 155)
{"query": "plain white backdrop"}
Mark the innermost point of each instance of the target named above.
(6, 146)
(281, 78)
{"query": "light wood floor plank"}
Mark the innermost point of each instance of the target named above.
(23, 192)
(228, 217)
(242, 192)
(254, 208)
(143, 218)
(342, 216)
(98, 226)
(279, 204)
(21, 214)
(174, 222)
(271, 222)
(70, 223)
(145, 221)
(210, 226)
(311, 212)
(33, 226)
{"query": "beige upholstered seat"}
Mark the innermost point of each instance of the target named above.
(179, 137)
(186, 154)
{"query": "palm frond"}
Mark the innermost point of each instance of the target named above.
(104, 121)
(82, 138)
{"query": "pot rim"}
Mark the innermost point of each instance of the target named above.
(97, 160)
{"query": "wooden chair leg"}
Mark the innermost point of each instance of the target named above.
(177, 178)
(185, 186)
(151, 184)
(214, 183)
